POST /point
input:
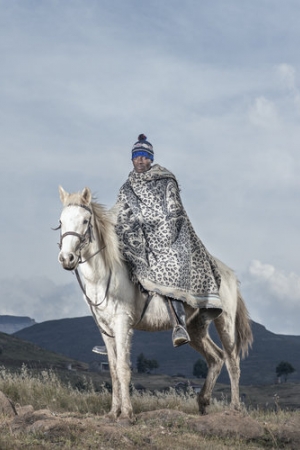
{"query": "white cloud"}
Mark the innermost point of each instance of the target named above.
(41, 299)
(263, 113)
(264, 271)
(288, 76)
(273, 297)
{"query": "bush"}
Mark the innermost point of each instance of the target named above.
(200, 369)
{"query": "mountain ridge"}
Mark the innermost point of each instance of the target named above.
(15, 352)
(75, 338)
(11, 324)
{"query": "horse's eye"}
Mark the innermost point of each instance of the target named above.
(85, 221)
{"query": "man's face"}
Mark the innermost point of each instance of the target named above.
(141, 164)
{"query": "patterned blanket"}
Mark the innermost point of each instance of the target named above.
(159, 243)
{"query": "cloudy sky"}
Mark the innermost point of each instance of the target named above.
(215, 86)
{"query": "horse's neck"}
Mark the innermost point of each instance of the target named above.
(93, 267)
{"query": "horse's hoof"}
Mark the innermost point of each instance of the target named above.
(111, 416)
(126, 421)
(108, 419)
(235, 407)
(127, 417)
(203, 408)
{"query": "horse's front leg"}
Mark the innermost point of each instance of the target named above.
(116, 402)
(123, 337)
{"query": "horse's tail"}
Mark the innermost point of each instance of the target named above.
(244, 336)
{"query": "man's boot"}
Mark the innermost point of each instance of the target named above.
(180, 335)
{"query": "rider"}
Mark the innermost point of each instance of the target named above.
(163, 252)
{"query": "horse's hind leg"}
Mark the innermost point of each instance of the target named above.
(200, 341)
(232, 360)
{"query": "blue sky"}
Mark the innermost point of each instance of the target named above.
(215, 87)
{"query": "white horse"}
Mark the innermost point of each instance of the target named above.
(88, 238)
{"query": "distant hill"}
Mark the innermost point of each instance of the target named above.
(12, 324)
(76, 337)
(14, 353)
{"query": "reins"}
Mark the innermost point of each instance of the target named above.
(90, 302)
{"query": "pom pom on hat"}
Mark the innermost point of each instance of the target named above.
(142, 148)
(142, 137)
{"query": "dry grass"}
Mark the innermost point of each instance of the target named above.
(46, 390)
(164, 420)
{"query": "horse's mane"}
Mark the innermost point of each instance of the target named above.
(104, 221)
(104, 227)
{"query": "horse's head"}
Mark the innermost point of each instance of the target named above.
(76, 227)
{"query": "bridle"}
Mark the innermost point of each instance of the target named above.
(84, 239)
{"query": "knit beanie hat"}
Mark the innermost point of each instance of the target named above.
(142, 148)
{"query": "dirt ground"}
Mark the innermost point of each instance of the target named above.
(22, 427)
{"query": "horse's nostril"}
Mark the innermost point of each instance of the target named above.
(71, 257)
(60, 258)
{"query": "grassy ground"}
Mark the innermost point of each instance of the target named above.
(264, 397)
(64, 417)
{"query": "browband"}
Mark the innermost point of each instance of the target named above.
(81, 206)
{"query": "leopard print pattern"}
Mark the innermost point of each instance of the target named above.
(162, 250)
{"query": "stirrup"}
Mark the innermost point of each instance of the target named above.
(180, 336)
(100, 349)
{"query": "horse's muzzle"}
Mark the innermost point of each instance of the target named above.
(69, 261)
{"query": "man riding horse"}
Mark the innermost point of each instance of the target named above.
(163, 252)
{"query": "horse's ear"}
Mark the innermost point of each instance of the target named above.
(62, 194)
(86, 196)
